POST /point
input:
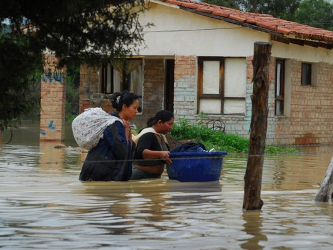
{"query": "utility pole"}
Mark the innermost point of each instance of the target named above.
(253, 175)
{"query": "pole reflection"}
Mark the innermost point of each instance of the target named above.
(253, 227)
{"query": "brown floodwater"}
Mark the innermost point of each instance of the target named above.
(44, 206)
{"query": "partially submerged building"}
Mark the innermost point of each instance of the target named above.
(197, 58)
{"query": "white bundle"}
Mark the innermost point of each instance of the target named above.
(88, 127)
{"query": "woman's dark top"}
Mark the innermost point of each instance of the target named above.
(148, 141)
(111, 159)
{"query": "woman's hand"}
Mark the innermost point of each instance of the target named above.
(166, 156)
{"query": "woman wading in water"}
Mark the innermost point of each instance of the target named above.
(111, 159)
(152, 150)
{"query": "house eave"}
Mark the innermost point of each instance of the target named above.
(301, 42)
(275, 35)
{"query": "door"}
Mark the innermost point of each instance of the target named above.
(169, 84)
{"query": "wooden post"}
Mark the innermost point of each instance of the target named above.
(253, 175)
(1, 134)
(326, 188)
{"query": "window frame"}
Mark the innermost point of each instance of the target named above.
(308, 80)
(221, 96)
(103, 79)
(124, 82)
(280, 97)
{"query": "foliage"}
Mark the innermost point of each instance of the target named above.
(281, 9)
(19, 93)
(83, 31)
(72, 91)
(79, 29)
(210, 138)
(218, 140)
(316, 13)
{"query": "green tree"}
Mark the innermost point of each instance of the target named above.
(316, 13)
(72, 90)
(284, 9)
(80, 30)
(226, 3)
(18, 81)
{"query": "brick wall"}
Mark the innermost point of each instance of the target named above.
(309, 121)
(311, 117)
(89, 84)
(185, 87)
(153, 90)
(53, 96)
(185, 96)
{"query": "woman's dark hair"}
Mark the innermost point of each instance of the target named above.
(120, 98)
(162, 115)
(150, 122)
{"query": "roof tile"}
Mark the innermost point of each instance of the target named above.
(220, 13)
(190, 5)
(237, 17)
(260, 20)
(205, 9)
(173, 2)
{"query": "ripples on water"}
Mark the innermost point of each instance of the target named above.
(43, 205)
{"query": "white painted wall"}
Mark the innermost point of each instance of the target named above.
(179, 32)
(184, 36)
(302, 53)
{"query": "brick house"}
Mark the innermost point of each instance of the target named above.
(197, 58)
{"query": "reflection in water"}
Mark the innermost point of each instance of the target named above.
(149, 203)
(51, 157)
(28, 133)
(252, 226)
(294, 172)
(43, 205)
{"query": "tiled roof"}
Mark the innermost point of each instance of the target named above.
(264, 22)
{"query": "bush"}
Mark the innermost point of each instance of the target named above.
(216, 139)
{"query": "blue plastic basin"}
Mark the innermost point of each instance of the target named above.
(195, 166)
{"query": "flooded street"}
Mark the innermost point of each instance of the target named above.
(43, 205)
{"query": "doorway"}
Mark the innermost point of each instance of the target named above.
(169, 84)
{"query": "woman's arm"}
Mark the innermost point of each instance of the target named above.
(148, 147)
(115, 135)
(149, 154)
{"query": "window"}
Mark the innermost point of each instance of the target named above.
(279, 87)
(120, 76)
(221, 85)
(110, 79)
(306, 74)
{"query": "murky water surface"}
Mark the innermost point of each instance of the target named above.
(44, 206)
